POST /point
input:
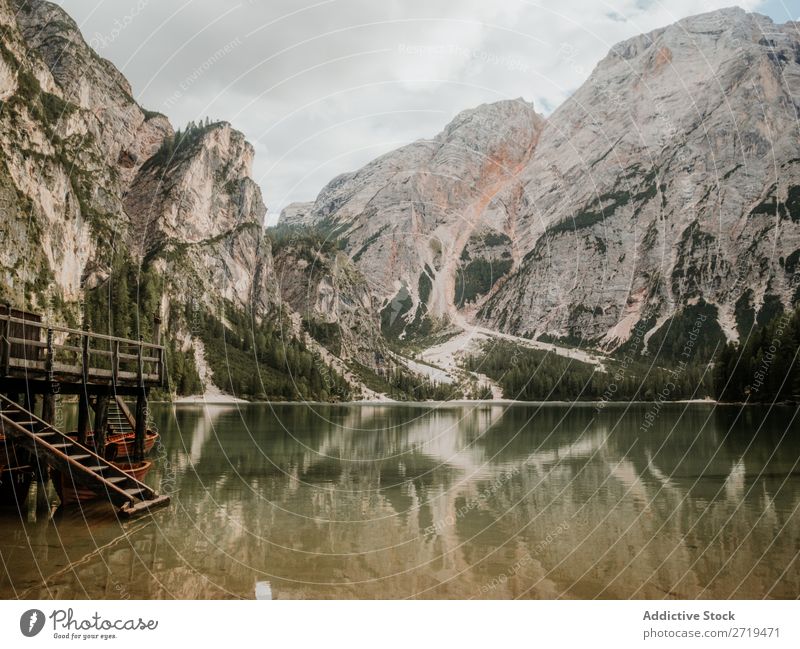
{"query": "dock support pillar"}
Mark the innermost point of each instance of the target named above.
(49, 407)
(83, 402)
(83, 416)
(141, 426)
(101, 423)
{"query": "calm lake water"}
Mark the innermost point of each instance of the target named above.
(453, 501)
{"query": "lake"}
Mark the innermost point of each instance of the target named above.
(478, 500)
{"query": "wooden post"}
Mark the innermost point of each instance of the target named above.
(141, 425)
(49, 407)
(115, 363)
(83, 416)
(49, 397)
(49, 362)
(85, 355)
(141, 409)
(6, 351)
(83, 402)
(159, 352)
(139, 365)
(101, 423)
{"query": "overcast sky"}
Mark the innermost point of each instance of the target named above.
(323, 86)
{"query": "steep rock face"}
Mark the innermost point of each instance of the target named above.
(194, 207)
(406, 217)
(670, 179)
(297, 215)
(92, 185)
(333, 300)
(109, 113)
(671, 176)
(56, 190)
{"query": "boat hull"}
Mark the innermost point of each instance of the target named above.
(15, 474)
(70, 493)
(121, 446)
(14, 485)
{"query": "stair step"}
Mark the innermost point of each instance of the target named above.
(117, 480)
(63, 445)
(78, 458)
(98, 468)
(134, 492)
(144, 506)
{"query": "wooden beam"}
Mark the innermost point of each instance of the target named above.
(131, 511)
(6, 351)
(141, 426)
(49, 407)
(101, 423)
(83, 418)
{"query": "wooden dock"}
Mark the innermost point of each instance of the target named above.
(33, 352)
(39, 361)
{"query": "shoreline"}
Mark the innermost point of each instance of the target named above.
(232, 401)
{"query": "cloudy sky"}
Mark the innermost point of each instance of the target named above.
(323, 86)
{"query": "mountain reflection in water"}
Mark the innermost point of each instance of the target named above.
(460, 500)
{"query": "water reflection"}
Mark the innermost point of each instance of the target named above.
(422, 501)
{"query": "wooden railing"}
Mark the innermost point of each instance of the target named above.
(36, 350)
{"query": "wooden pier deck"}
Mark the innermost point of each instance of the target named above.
(33, 351)
(39, 361)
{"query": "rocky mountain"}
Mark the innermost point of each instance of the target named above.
(92, 178)
(666, 188)
(110, 217)
(664, 192)
(406, 217)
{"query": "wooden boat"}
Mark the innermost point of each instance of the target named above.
(137, 469)
(14, 484)
(69, 492)
(120, 446)
(15, 476)
(126, 443)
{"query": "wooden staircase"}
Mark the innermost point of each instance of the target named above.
(82, 465)
(120, 420)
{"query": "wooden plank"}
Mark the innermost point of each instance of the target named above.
(63, 461)
(142, 368)
(78, 332)
(28, 343)
(144, 506)
(6, 354)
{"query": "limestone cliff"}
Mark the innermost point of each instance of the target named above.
(669, 180)
(672, 176)
(111, 217)
(406, 217)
